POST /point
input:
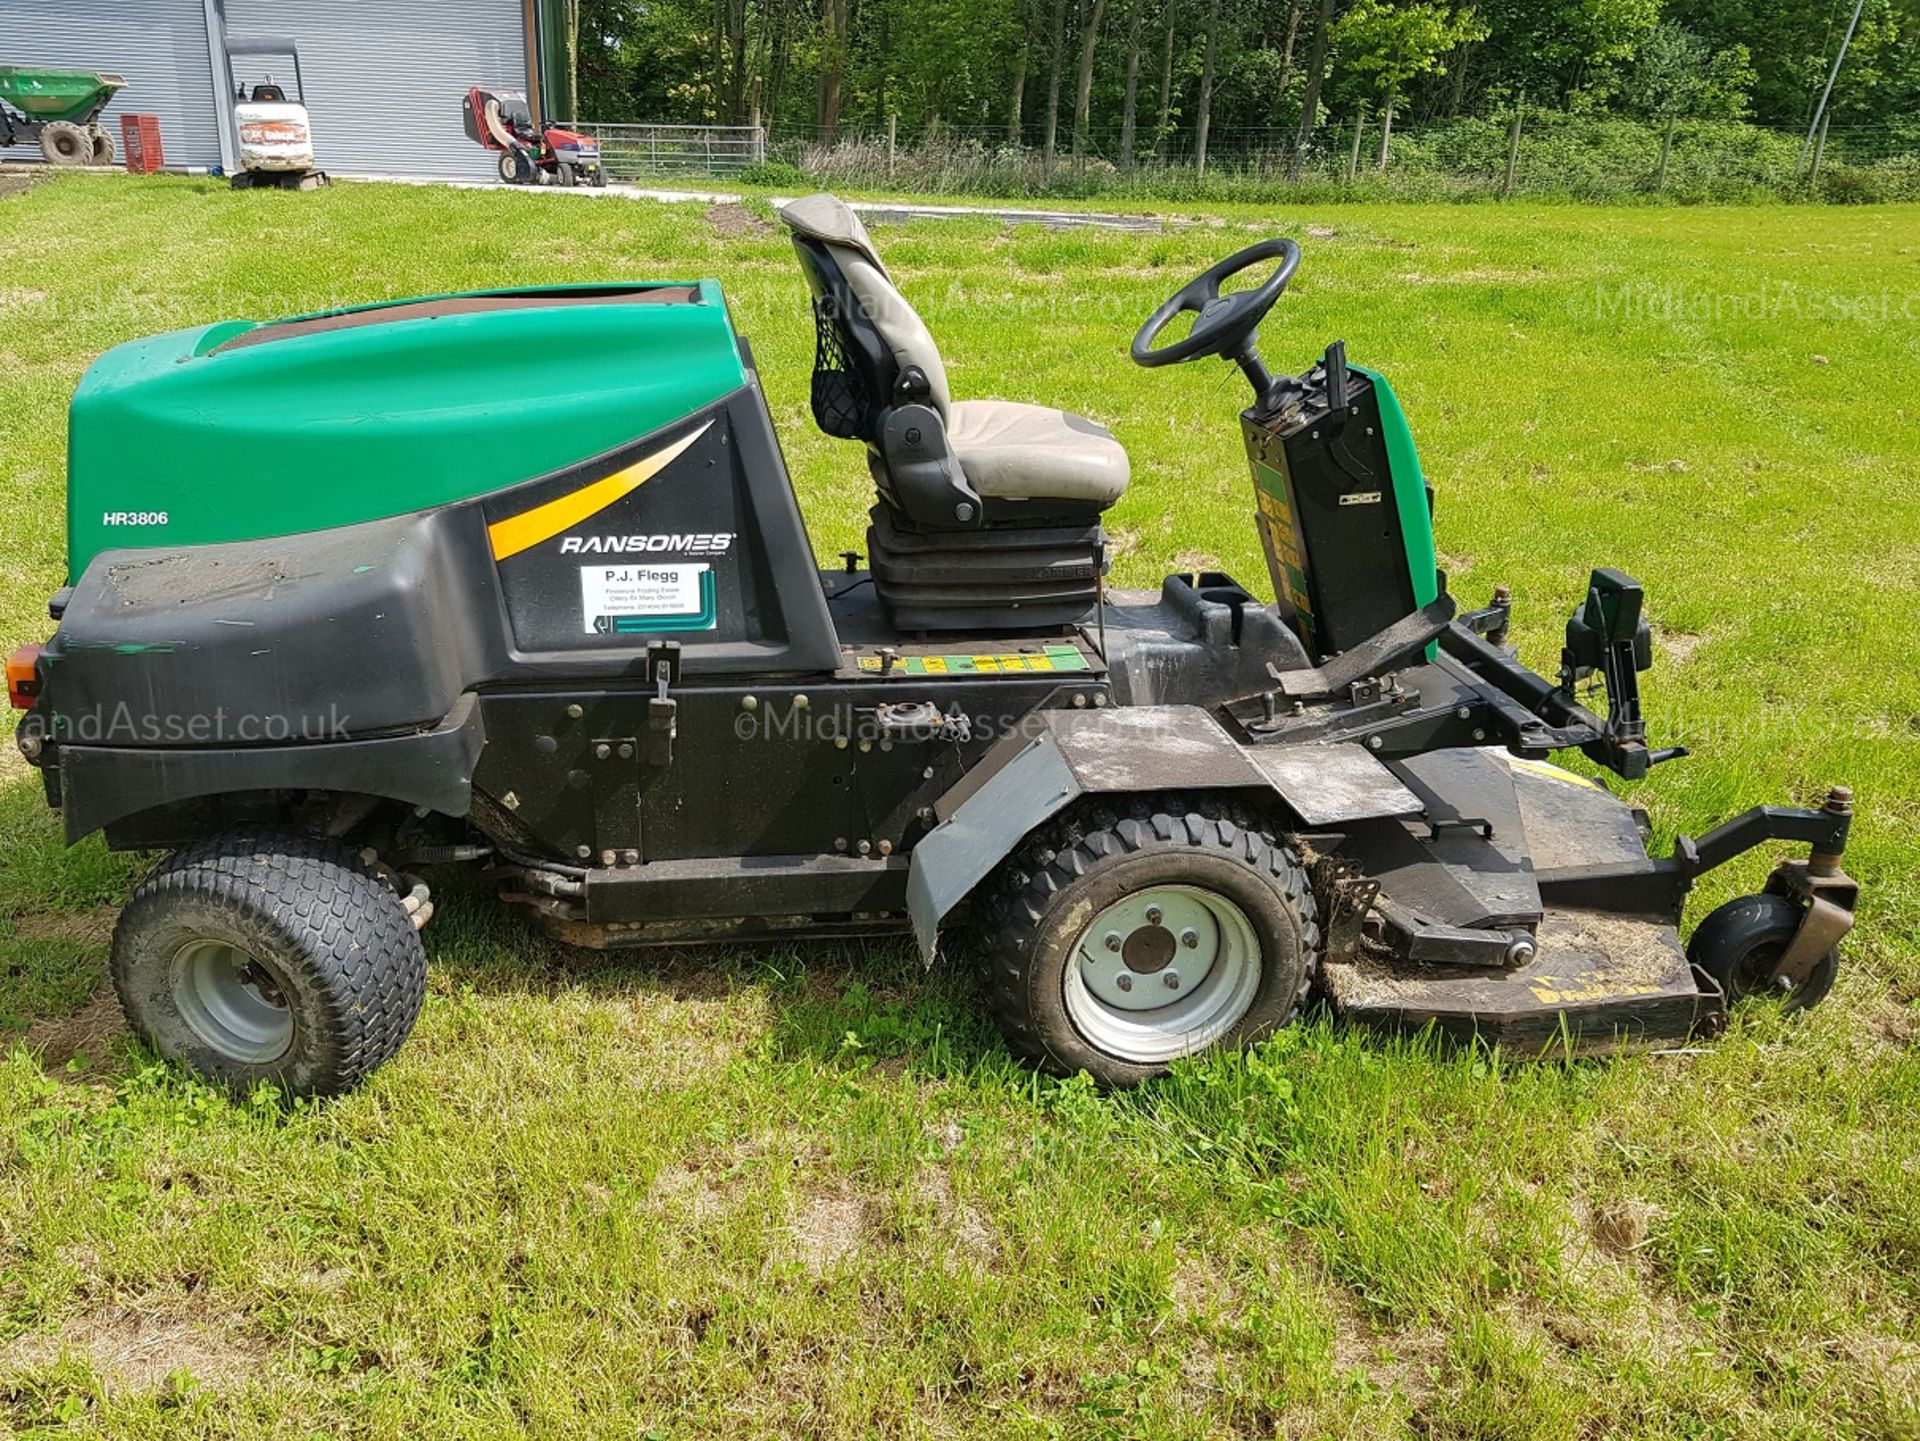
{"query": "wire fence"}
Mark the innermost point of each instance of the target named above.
(1530, 153)
(636, 152)
(1176, 141)
(1526, 153)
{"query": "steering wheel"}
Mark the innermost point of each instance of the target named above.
(1223, 323)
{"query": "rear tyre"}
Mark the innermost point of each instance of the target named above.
(510, 168)
(1118, 946)
(103, 149)
(63, 143)
(1740, 943)
(270, 957)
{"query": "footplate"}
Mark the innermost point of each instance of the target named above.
(1597, 983)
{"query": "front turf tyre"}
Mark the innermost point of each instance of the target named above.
(1740, 944)
(270, 957)
(64, 143)
(1117, 946)
(103, 150)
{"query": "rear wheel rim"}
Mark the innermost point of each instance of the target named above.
(1163, 972)
(231, 1002)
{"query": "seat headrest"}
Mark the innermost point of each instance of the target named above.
(827, 218)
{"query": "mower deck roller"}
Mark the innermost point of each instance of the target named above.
(597, 657)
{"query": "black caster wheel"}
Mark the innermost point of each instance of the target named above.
(1740, 944)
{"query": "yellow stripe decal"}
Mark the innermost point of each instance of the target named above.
(529, 528)
(1554, 773)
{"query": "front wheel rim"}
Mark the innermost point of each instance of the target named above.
(1749, 979)
(1163, 972)
(231, 1002)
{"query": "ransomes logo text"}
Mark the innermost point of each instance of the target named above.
(703, 543)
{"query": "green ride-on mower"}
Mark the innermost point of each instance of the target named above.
(595, 655)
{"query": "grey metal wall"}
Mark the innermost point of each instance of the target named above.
(385, 81)
(159, 45)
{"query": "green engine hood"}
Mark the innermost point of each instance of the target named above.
(243, 429)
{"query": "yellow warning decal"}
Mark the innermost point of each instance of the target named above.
(529, 528)
(1550, 994)
(1053, 658)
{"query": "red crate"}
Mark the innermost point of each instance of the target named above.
(140, 142)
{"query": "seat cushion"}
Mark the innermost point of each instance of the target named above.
(1031, 452)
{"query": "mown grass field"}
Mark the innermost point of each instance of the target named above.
(804, 1192)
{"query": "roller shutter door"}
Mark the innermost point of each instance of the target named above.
(385, 82)
(159, 45)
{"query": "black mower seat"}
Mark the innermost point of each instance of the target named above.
(1030, 452)
(989, 511)
(1004, 450)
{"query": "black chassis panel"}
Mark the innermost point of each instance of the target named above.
(730, 493)
(779, 768)
(103, 786)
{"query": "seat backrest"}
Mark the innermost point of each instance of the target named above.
(867, 334)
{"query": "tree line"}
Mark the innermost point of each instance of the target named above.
(1130, 80)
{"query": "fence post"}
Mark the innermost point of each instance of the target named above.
(893, 122)
(1513, 146)
(1353, 151)
(1819, 147)
(1666, 149)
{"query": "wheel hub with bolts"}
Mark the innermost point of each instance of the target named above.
(1163, 972)
(231, 1002)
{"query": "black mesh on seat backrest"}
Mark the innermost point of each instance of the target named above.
(853, 366)
(841, 404)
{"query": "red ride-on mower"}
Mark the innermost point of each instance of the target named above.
(530, 154)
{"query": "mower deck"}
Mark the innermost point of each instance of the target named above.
(1597, 983)
(1596, 980)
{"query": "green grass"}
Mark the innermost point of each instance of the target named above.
(803, 1192)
